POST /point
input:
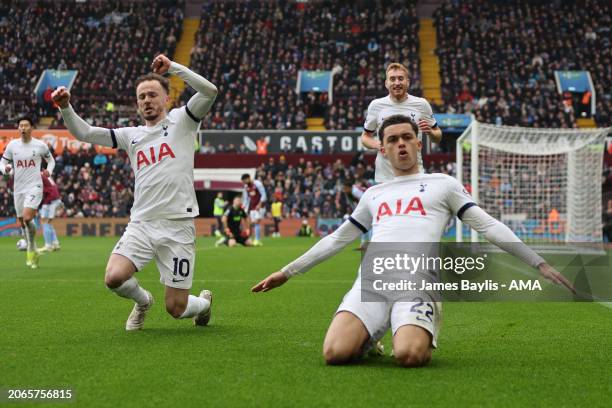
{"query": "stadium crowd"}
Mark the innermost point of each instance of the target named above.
(109, 43)
(253, 51)
(91, 185)
(498, 59)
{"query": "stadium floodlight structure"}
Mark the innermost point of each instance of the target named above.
(545, 184)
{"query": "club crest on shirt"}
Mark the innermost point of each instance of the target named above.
(422, 187)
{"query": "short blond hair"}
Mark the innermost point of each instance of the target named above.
(397, 65)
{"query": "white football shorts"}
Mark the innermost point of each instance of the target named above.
(49, 210)
(378, 317)
(170, 242)
(256, 215)
(28, 199)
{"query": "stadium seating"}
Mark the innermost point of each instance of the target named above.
(498, 58)
(254, 50)
(110, 43)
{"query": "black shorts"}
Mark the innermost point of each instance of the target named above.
(238, 237)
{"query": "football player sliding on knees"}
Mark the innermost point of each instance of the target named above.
(413, 207)
(161, 226)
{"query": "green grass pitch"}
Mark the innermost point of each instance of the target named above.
(60, 327)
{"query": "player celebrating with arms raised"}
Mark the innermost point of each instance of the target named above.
(161, 222)
(398, 102)
(357, 324)
(26, 154)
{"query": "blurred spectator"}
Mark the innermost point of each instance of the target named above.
(497, 59)
(109, 43)
(87, 189)
(253, 51)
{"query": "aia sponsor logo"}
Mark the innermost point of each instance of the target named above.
(153, 155)
(25, 163)
(400, 207)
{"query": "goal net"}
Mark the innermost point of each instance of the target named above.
(545, 184)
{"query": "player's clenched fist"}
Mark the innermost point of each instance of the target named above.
(424, 127)
(160, 64)
(61, 96)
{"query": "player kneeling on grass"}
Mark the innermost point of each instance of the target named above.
(161, 222)
(358, 325)
(236, 226)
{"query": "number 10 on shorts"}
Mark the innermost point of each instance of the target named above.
(181, 267)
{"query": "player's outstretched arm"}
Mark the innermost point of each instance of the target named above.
(274, 280)
(503, 237)
(77, 126)
(325, 248)
(200, 103)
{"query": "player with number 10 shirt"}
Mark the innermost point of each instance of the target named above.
(161, 222)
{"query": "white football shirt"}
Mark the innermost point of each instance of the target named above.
(26, 159)
(415, 208)
(162, 160)
(381, 108)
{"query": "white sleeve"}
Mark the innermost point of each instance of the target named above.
(457, 198)
(87, 133)
(200, 103)
(3, 163)
(261, 190)
(245, 199)
(50, 161)
(371, 121)
(7, 158)
(429, 117)
(361, 216)
(500, 235)
(325, 248)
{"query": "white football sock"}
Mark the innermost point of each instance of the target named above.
(195, 305)
(131, 290)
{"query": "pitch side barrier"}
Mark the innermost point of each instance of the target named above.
(285, 141)
(114, 227)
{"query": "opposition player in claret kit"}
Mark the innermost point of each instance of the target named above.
(398, 102)
(24, 156)
(254, 200)
(50, 203)
(161, 223)
(413, 207)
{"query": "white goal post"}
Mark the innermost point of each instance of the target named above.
(545, 184)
